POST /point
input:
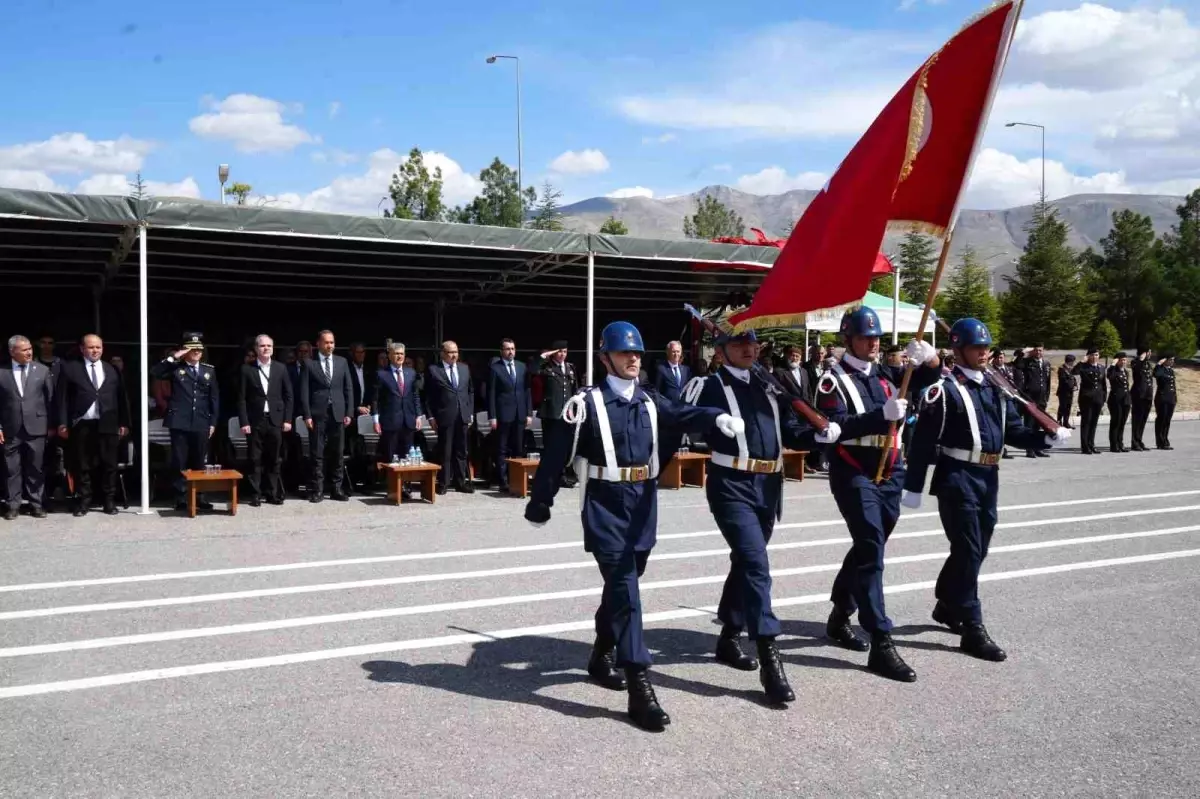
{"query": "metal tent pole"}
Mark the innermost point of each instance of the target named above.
(591, 313)
(144, 371)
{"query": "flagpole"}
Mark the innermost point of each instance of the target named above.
(941, 267)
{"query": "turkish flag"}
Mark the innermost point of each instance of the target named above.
(883, 266)
(907, 171)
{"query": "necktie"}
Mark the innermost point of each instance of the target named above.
(95, 380)
(512, 376)
(400, 380)
(328, 370)
(21, 380)
(454, 377)
(675, 370)
(195, 373)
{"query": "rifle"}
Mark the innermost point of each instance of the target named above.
(1039, 416)
(799, 405)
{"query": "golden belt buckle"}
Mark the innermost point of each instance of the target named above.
(989, 459)
(762, 467)
(636, 473)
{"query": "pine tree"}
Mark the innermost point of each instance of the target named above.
(1174, 333)
(917, 260)
(1106, 339)
(547, 215)
(614, 227)
(968, 294)
(1048, 301)
(502, 203)
(713, 220)
(137, 188)
(416, 192)
(1126, 280)
(1180, 258)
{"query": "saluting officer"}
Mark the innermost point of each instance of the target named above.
(745, 492)
(1006, 372)
(1164, 401)
(1142, 397)
(559, 384)
(192, 413)
(1034, 373)
(614, 429)
(1091, 400)
(964, 422)
(1118, 403)
(862, 397)
(1066, 391)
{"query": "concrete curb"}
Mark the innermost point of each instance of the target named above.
(1183, 416)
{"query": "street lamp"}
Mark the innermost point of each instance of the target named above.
(1042, 128)
(517, 61)
(223, 175)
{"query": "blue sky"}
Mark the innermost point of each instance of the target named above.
(314, 102)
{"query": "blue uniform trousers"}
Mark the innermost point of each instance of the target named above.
(188, 451)
(871, 512)
(619, 617)
(744, 506)
(966, 497)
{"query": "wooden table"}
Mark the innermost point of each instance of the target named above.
(398, 475)
(199, 480)
(793, 464)
(685, 469)
(519, 471)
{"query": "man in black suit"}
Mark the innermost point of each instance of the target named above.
(559, 384)
(450, 400)
(396, 406)
(794, 375)
(672, 376)
(265, 407)
(326, 402)
(510, 407)
(26, 397)
(93, 417)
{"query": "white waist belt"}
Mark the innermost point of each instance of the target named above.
(747, 464)
(967, 456)
(625, 474)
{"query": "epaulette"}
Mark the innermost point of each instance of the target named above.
(932, 394)
(827, 384)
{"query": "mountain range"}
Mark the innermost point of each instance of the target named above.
(997, 236)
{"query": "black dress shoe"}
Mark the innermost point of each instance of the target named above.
(11, 514)
(255, 502)
(885, 661)
(602, 668)
(276, 500)
(466, 488)
(339, 496)
(1008, 456)
(315, 497)
(729, 652)
(1041, 453)
(37, 513)
(110, 509)
(771, 675)
(839, 631)
(1030, 454)
(181, 507)
(977, 643)
(80, 512)
(203, 505)
(943, 616)
(441, 490)
(643, 704)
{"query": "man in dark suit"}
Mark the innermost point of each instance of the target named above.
(265, 407)
(362, 381)
(26, 397)
(1034, 381)
(192, 414)
(794, 375)
(672, 376)
(450, 402)
(396, 405)
(510, 408)
(326, 402)
(93, 417)
(559, 384)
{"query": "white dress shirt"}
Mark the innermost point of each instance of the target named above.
(264, 377)
(93, 411)
(362, 387)
(21, 376)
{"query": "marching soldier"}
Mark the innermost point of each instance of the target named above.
(192, 413)
(964, 422)
(1118, 403)
(1142, 397)
(1091, 400)
(1034, 372)
(745, 493)
(862, 398)
(1164, 401)
(1066, 391)
(559, 384)
(614, 427)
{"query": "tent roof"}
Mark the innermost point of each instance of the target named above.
(202, 248)
(880, 302)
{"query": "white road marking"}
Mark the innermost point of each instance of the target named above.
(218, 667)
(474, 604)
(462, 553)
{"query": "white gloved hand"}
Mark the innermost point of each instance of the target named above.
(910, 500)
(831, 434)
(895, 409)
(1060, 438)
(729, 426)
(919, 351)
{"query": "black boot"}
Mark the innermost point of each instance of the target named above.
(729, 651)
(838, 630)
(602, 668)
(977, 643)
(885, 661)
(771, 675)
(643, 704)
(942, 615)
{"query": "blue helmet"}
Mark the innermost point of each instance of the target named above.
(862, 321)
(621, 337)
(969, 332)
(724, 337)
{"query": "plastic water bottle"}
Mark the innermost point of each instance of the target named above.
(395, 459)
(414, 455)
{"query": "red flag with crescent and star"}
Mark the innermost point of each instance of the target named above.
(906, 172)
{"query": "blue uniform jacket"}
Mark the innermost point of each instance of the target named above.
(943, 421)
(194, 399)
(617, 517)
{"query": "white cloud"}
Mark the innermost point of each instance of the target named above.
(33, 179)
(634, 191)
(335, 108)
(115, 184)
(908, 5)
(776, 180)
(74, 153)
(584, 162)
(335, 156)
(665, 138)
(1159, 137)
(254, 124)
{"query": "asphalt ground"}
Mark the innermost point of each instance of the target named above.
(369, 650)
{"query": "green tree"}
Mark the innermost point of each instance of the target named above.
(712, 220)
(917, 260)
(1174, 333)
(1106, 338)
(240, 192)
(968, 293)
(614, 227)
(546, 215)
(1126, 280)
(1048, 299)
(502, 203)
(885, 285)
(137, 188)
(416, 192)
(1180, 259)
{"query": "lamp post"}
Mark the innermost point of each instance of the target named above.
(1041, 128)
(223, 176)
(492, 60)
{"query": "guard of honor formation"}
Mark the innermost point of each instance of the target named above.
(613, 429)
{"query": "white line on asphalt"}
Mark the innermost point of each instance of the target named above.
(474, 604)
(509, 571)
(462, 553)
(218, 667)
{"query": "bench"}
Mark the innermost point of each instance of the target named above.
(199, 480)
(398, 475)
(685, 469)
(793, 464)
(519, 472)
